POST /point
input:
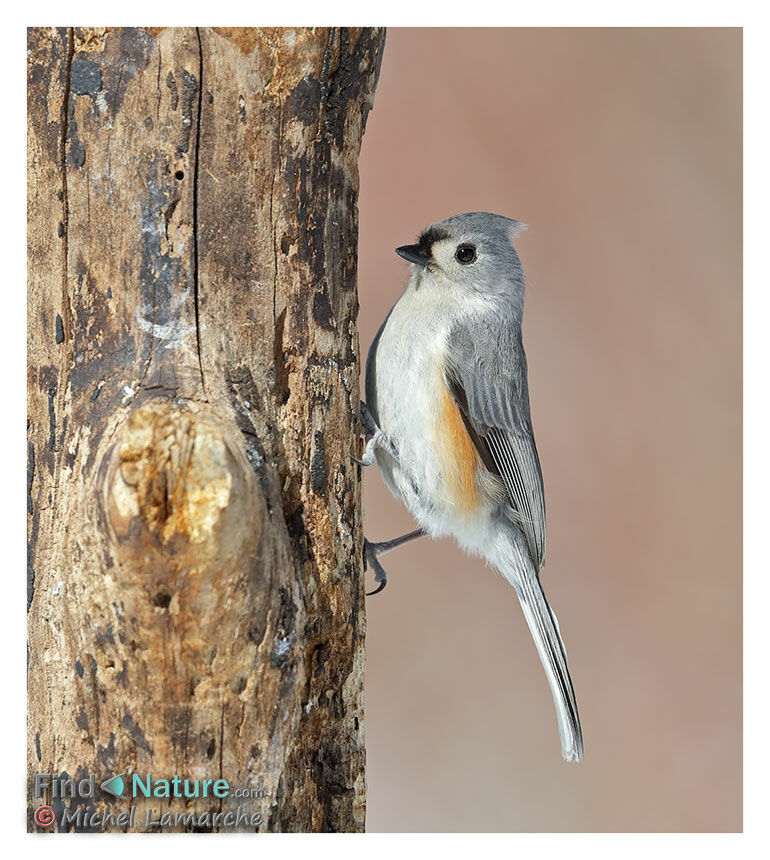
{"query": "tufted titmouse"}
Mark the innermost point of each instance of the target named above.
(449, 426)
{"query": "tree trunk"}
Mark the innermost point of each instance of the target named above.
(195, 589)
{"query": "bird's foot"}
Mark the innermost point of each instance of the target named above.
(374, 549)
(375, 438)
(371, 561)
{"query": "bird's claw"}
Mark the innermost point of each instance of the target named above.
(375, 438)
(368, 456)
(374, 549)
(370, 559)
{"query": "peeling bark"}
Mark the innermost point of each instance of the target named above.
(195, 589)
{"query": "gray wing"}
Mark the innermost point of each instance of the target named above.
(370, 382)
(487, 376)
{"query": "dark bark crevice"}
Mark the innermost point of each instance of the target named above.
(196, 163)
(65, 218)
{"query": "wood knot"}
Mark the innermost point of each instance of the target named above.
(175, 481)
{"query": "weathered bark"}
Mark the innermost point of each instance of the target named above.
(195, 585)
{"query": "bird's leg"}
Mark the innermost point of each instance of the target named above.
(374, 438)
(372, 550)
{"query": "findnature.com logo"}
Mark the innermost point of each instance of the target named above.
(81, 812)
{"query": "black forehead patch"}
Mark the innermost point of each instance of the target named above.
(429, 236)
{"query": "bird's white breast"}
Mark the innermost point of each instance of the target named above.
(411, 404)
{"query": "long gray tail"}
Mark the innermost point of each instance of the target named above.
(545, 631)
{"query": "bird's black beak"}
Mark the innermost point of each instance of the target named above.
(413, 254)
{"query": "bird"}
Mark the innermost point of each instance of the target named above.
(447, 420)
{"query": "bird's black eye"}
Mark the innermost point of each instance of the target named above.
(465, 254)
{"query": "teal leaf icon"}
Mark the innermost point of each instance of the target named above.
(114, 785)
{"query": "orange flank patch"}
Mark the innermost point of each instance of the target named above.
(458, 455)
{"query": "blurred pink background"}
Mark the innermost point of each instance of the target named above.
(622, 151)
